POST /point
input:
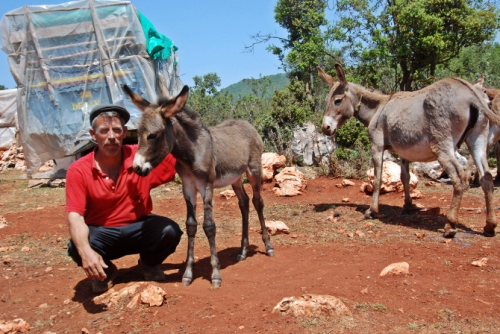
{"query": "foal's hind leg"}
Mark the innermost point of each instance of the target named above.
(255, 179)
(243, 202)
(209, 228)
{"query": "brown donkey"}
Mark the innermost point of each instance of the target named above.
(207, 158)
(424, 125)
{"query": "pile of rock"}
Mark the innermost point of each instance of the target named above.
(13, 158)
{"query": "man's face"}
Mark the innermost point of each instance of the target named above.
(109, 134)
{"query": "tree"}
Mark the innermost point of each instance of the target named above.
(212, 106)
(2, 87)
(206, 85)
(473, 61)
(412, 37)
(305, 44)
(258, 86)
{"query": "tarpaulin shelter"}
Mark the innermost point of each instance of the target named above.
(68, 58)
(8, 116)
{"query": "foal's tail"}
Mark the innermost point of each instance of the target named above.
(480, 104)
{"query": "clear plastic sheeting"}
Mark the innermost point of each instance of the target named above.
(8, 111)
(68, 58)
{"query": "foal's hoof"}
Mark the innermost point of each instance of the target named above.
(241, 257)
(186, 281)
(489, 231)
(216, 282)
(270, 252)
(449, 233)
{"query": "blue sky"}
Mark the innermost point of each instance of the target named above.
(210, 34)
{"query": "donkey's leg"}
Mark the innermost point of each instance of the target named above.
(377, 158)
(476, 142)
(405, 179)
(189, 191)
(243, 202)
(209, 228)
(254, 176)
(455, 171)
(497, 157)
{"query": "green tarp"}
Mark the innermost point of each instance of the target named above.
(159, 47)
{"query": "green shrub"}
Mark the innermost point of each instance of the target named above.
(351, 132)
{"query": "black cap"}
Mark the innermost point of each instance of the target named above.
(109, 107)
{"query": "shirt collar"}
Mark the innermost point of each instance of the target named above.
(128, 158)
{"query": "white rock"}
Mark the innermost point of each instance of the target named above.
(227, 193)
(311, 147)
(310, 305)
(480, 263)
(347, 183)
(153, 295)
(270, 163)
(396, 269)
(275, 227)
(290, 182)
(391, 178)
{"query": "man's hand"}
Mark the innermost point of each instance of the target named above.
(92, 263)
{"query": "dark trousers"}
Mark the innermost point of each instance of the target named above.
(153, 238)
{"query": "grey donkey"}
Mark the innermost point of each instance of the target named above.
(424, 125)
(207, 158)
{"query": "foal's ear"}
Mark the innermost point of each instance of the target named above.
(328, 79)
(173, 106)
(139, 102)
(341, 75)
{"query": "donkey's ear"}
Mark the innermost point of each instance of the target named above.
(139, 102)
(480, 81)
(173, 106)
(328, 79)
(341, 75)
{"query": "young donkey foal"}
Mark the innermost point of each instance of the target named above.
(424, 125)
(207, 158)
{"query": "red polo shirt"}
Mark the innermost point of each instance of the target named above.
(95, 196)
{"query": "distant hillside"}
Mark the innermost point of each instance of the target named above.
(240, 89)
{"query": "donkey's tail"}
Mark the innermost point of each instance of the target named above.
(480, 104)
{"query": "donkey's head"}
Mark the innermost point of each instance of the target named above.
(155, 129)
(339, 107)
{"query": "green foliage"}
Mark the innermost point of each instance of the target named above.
(213, 107)
(411, 37)
(483, 58)
(350, 162)
(263, 87)
(2, 87)
(290, 108)
(206, 85)
(351, 132)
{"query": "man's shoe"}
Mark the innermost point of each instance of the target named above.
(151, 273)
(103, 286)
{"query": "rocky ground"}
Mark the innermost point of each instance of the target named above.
(330, 251)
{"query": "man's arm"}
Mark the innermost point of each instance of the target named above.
(92, 263)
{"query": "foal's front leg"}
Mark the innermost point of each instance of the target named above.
(189, 191)
(209, 228)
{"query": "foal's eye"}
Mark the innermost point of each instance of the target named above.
(338, 102)
(152, 136)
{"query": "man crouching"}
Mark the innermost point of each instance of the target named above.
(109, 206)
